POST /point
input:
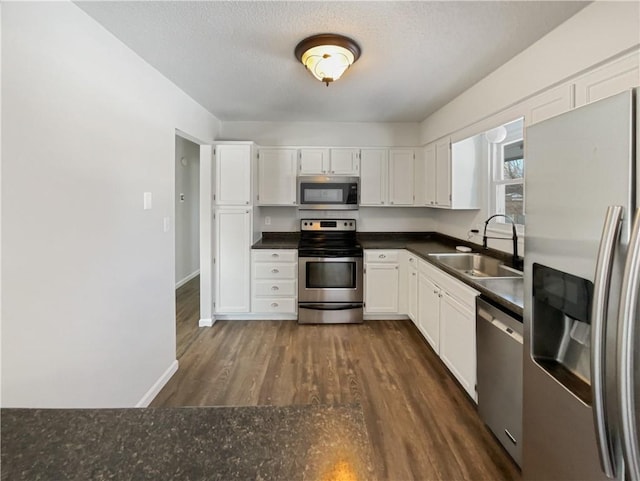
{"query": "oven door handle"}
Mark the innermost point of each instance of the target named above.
(330, 307)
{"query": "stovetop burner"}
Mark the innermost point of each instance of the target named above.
(328, 238)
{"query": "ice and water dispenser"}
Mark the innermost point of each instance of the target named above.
(561, 328)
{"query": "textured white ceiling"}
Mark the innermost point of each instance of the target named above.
(236, 58)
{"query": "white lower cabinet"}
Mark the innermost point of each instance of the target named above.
(232, 260)
(274, 282)
(381, 281)
(447, 320)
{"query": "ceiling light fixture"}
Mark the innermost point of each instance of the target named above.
(327, 55)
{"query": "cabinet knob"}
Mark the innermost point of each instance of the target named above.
(381, 256)
(383, 202)
(439, 295)
(391, 202)
(435, 292)
(413, 274)
(275, 288)
(275, 255)
(275, 271)
(410, 259)
(274, 304)
(247, 202)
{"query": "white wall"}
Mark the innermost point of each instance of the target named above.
(337, 134)
(596, 33)
(187, 225)
(87, 275)
(369, 219)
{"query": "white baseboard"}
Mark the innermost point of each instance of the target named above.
(188, 278)
(206, 322)
(158, 385)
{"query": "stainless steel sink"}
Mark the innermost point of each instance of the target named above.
(477, 266)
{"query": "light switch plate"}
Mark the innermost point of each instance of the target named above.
(147, 200)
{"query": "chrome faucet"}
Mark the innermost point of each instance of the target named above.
(517, 264)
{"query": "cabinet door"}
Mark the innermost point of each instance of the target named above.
(413, 295)
(429, 179)
(549, 104)
(373, 176)
(458, 341)
(401, 162)
(233, 260)
(314, 161)
(233, 174)
(277, 177)
(345, 162)
(429, 311)
(443, 173)
(608, 80)
(419, 178)
(381, 289)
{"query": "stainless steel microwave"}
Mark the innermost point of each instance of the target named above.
(328, 192)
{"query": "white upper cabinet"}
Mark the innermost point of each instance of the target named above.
(608, 80)
(277, 176)
(443, 172)
(329, 161)
(233, 174)
(452, 174)
(344, 162)
(373, 176)
(401, 165)
(549, 104)
(314, 161)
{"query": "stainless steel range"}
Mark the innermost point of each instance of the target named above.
(330, 280)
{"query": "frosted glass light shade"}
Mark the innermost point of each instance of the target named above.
(327, 56)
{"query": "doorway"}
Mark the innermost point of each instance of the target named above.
(187, 242)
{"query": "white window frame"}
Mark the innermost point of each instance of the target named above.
(496, 161)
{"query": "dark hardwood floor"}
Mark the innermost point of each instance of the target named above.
(187, 314)
(421, 424)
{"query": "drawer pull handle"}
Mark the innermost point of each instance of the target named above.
(381, 256)
(275, 288)
(275, 255)
(275, 271)
(274, 304)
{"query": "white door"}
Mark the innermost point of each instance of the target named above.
(443, 173)
(429, 311)
(413, 295)
(345, 162)
(381, 289)
(430, 174)
(277, 177)
(401, 163)
(373, 176)
(233, 260)
(233, 174)
(458, 341)
(314, 161)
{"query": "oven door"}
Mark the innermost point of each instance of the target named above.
(330, 279)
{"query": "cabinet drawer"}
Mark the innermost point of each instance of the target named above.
(276, 304)
(274, 270)
(378, 256)
(276, 288)
(275, 255)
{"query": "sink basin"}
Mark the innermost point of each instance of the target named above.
(477, 266)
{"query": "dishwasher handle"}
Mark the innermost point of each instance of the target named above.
(495, 322)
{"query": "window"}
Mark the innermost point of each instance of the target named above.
(506, 154)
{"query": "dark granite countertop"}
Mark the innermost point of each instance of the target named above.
(278, 240)
(509, 293)
(217, 443)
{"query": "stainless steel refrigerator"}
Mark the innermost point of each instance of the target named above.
(582, 258)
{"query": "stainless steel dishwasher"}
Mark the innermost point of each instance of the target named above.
(499, 351)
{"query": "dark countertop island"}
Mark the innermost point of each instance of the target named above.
(216, 443)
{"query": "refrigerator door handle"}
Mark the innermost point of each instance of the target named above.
(626, 338)
(602, 283)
